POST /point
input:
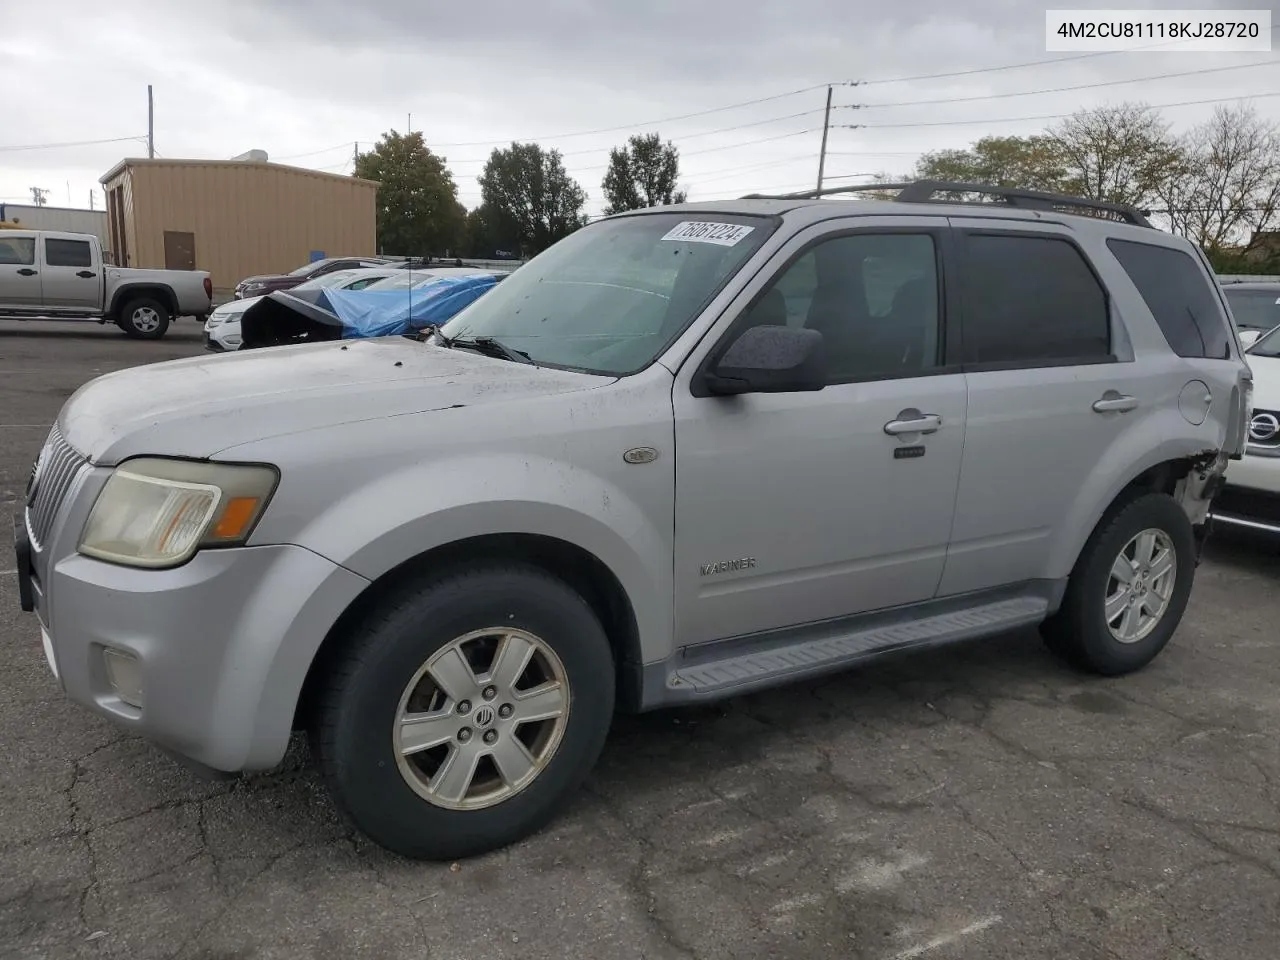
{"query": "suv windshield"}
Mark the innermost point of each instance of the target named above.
(611, 296)
(1267, 345)
(1255, 309)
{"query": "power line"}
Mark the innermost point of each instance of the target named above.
(1082, 86)
(1043, 116)
(315, 153)
(778, 96)
(66, 143)
(646, 123)
(737, 193)
(750, 143)
(1029, 63)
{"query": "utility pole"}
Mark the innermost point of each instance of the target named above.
(822, 154)
(90, 199)
(355, 153)
(151, 124)
(37, 196)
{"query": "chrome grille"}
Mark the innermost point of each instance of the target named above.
(1264, 429)
(51, 478)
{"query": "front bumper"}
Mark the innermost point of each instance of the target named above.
(219, 647)
(1251, 497)
(223, 337)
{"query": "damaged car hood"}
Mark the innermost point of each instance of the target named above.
(198, 406)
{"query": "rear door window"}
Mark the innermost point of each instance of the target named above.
(67, 253)
(1031, 301)
(1179, 296)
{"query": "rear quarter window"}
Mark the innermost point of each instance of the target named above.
(1179, 296)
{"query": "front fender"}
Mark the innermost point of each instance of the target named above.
(370, 531)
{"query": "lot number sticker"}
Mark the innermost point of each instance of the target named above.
(701, 231)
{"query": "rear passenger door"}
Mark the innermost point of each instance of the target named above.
(72, 277)
(1052, 387)
(20, 287)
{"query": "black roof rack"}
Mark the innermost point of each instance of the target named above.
(923, 191)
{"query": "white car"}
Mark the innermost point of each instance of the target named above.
(1251, 497)
(222, 329)
(1255, 305)
(413, 279)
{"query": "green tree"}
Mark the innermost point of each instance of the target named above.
(1225, 194)
(529, 197)
(1120, 154)
(1032, 163)
(418, 209)
(642, 173)
(490, 233)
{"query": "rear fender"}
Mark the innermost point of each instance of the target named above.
(1162, 438)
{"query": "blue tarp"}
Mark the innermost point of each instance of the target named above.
(385, 313)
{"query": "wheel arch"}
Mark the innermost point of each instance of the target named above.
(125, 293)
(582, 570)
(1162, 471)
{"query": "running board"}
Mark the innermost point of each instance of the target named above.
(731, 667)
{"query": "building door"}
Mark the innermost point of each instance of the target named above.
(179, 250)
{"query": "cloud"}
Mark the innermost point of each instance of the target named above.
(307, 80)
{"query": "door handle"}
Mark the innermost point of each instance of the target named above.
(1115, 404)
(26, 272)
(925, 423)
(86, 274)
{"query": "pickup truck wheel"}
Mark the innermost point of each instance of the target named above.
(1129, 589)
(144, 318)
(463, 713)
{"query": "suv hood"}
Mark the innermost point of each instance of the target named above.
(196, 407)
(270, 279)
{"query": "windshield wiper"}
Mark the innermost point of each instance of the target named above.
(490, 346)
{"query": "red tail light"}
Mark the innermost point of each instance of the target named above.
(208, 288)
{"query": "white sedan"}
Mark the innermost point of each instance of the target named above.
(1251, 497)
(222, 329)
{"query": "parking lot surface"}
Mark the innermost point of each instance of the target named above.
(983, 802)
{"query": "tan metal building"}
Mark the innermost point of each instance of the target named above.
(235, 218)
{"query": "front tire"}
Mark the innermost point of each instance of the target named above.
(1129, 589)
(465, 711)
(144, 319)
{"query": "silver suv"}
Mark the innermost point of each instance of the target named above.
(685, 453)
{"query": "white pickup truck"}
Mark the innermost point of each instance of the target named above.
(52, 275)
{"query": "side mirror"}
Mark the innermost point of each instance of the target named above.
(768, 359)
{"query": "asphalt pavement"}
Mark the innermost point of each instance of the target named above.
(980, 803)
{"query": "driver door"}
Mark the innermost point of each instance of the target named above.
(798, 507)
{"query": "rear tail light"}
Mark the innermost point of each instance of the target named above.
(208, 288)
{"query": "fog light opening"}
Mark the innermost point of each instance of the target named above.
(124, 674)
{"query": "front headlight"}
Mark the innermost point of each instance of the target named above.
(155, 512)
(218, 319)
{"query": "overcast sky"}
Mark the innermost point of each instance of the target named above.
(307, 79)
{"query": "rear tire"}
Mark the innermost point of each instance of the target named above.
(1112, 625)
(438, 745)
(144, 318)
